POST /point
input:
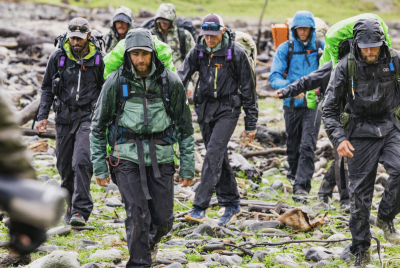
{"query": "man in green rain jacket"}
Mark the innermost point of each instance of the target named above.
(145, 110)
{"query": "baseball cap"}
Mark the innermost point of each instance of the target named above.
(78, 27)
(143, 48)
(212, 19)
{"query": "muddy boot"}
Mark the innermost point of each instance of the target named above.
(390, 233)
(153, 252)
(362, 259)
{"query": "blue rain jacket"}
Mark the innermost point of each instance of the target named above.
(298, 65)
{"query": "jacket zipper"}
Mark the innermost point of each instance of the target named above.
(79, 85)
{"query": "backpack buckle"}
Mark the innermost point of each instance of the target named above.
(219, 65)
(308, 51)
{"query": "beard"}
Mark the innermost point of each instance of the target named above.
(79, 49)
(370, 60)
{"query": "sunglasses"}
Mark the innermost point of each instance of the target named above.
(75, 28)
(212, 27)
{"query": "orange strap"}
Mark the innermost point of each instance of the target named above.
(83, 67)
(109, 159)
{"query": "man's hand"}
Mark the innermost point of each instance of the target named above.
(102, 182)
(251, 135)
(300, 96)
(42, 126)
(189, 93)
(344, 149)
(278, 94)
(186, 182)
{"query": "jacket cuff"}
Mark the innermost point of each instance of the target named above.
(249, 131)
(340, 141)
(102, 176)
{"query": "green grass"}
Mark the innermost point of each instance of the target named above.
(277, 10)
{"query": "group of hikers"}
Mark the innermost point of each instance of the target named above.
(121, 116)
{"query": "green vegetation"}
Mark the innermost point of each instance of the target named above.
(277, 10)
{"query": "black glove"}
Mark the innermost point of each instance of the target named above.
(36, 235)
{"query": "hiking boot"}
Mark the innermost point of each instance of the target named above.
(77, 220)
(390, 233)
(324, 198)
(197, 215)
(67, 216)
(362, 259)
(154, 254)
(230, 212)
(301, 192)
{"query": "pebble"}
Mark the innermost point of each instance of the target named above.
(171, 255)
(59, 230)
(111, 239)
(204, 229)
(316, 254)
(277, 184)
(113, 202)
(230, 260)
(338, 237)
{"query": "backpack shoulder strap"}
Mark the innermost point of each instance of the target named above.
(290, 54)
(351, 72)
(182, 41)
(394, 64)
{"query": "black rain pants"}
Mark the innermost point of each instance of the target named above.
(302, 128)
(217, 173)
(147, 220)
(362, 173)
(75, 166)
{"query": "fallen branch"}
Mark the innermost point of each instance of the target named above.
(245, 251)
(265, 152)
(29, 111)
(180, 203)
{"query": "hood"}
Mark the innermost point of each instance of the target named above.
(123, 11)
(166, 11)
(140, 37)
(368, 33)
(303, 19)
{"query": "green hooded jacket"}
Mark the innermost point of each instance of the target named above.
(115, 58)
(339, 32)
(132, 116)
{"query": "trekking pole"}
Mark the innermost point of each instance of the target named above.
(259, 26)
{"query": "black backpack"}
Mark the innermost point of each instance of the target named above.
(183, 24)
(291, 52)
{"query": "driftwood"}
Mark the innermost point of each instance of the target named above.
(29, 112)
(279, 151)
(50, 133)
(24, 38)
(240, 163)
(264, 209)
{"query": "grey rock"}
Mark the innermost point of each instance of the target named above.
(90, 244)
(111, 187)
(286, 261)
(171, 255)
(244, 224)
(212, 263)
(338, 237)
(266, 224)
(380, 232)
(51, 151)
(254, 265)
(223, 232)
(382, 179)
(48, 248)
(113, 202)
(320, 206)
(306, 209)
(111, 255)
(59, 230)
(277, 184)
(272, 231)
(43, 177)
(372, 232)
(376, 256)
(90, 265)
(346, 255)
(259, 255)
(317, 234)
(176, 242)
(61, 259)
(52, 182)
(315, 254)
(230, 260)
(372, 219)
(212, 257)
(193, 236)
(34, 138)
(110, 239)
(212, 247)
(204, 229)
(322, 263)
(174, 265)
(270, 172)
(195, 265)
(304, 264)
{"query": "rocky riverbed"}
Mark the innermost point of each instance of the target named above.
(276, 229)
